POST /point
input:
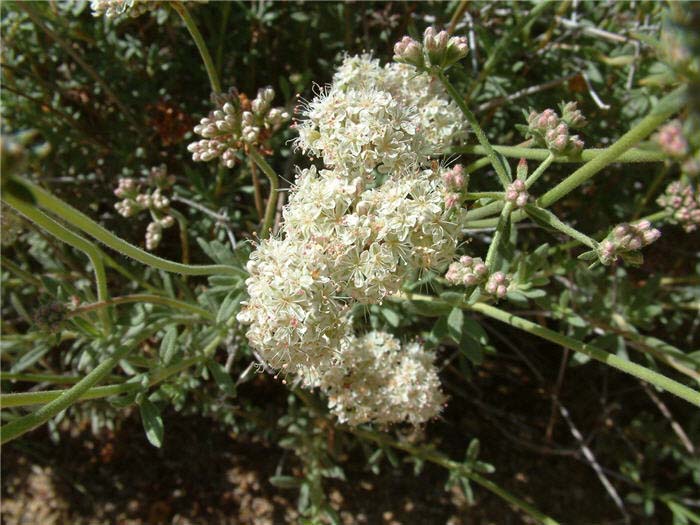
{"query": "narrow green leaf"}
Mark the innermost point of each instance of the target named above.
(152, 422)
(285, 482)
(168, 345)
(455, 322)
(222, 378)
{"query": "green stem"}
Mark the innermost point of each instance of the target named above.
(144, 298)
(485, 211)
(474, 123)
(201, 46)
(84, 223)
(184, 241)
(484, 195)
(491, 256)
(22, 425)
(76, 241)
(158, 376)
(274, 186)
(553, 221)
(659, 380)
(666, 107)
(39, 378)
(539, 171)
(464, 470)
(633, 155)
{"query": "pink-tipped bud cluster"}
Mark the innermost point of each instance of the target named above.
(135, 199)
(550, 131)
(455, 185)
(626, 238)
(517, 193)
(670, 138)
(439, 49)
(497, 285)
(572, 115)
(469, 271)
(682, 201)
(236, 123)
(454, 178)
(409, 51)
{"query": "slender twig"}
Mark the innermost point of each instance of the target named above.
(677, 428)
(590, 457)
(82, 222)
(439, 459)
(143, 298)
(524, 93)
(274, 186)
(76, 241)
(520, 152)
(476, 128)
(201, 45)
(640, 372)
(497, 52)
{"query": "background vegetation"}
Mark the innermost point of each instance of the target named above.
(580, 441)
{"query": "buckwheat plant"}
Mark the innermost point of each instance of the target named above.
(390, 221)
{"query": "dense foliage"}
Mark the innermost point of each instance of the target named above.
(250, 212)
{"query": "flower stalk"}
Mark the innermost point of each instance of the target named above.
(274, 187)
(76, 241)
(476, 128)
(184, 13)
(85, 224)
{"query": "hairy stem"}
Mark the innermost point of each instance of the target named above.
(491, 255)
(633, 155)
(274, 186)
(24, 424)
(539, 171)
(144, 298)
(476, 128)
(464, 470)
(84, 223)
(76, 241)
(201, 45)
(645, 374)
(156, 376)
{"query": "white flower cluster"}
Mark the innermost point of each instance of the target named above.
(116, 8)
(236, 122)
(682, 201)
(386, 118)
(351, 238)
(342, 245)
(380, 381)
(135, 200)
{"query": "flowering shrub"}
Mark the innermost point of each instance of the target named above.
(373, 249)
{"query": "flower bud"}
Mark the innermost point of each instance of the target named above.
(573, 116)
(409, 51)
